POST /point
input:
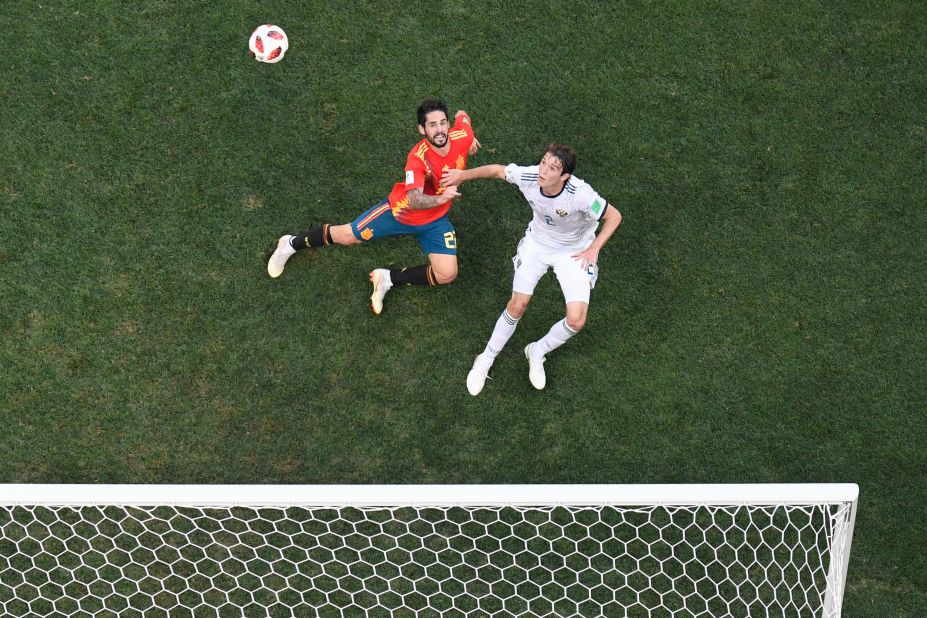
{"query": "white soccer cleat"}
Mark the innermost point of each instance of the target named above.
(477, 376)
(281, 255)
(535, 369)
(381, 285)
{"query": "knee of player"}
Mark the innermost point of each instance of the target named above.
(576, 318)
(576, 323)
(445, 275)
(517, 306)
(343, 235)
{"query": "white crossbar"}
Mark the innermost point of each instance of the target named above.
(425, 495)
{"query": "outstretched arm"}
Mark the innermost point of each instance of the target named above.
(456, 177)
(611, 219)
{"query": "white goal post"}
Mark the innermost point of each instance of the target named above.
(426, 550)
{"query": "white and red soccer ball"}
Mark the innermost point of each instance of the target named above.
(268, 43)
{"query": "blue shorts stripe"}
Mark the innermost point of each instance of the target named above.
(437, 236)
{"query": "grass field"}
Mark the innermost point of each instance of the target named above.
(759, 317)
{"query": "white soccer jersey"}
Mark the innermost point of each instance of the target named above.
(566, 221)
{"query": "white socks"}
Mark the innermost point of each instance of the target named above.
(505, 327)
(558, 334)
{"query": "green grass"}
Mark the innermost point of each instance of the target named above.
(760, 315)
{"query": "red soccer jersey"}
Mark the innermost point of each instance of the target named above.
(424, 168)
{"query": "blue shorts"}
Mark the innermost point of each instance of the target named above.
(437, 236)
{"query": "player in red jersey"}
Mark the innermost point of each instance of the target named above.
(418, 205)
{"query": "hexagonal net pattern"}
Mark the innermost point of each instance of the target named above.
(653, 561)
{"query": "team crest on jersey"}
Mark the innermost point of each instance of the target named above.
(367, 233)
(561, 212)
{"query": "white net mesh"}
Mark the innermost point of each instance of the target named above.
(654, 561)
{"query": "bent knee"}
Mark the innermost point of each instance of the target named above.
(518, 305)
(576, 324)
(444, 275)
(576, 316)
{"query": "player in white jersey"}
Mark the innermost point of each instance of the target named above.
(561, 235)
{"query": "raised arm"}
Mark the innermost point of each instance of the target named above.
(476, 143)
(456, 177)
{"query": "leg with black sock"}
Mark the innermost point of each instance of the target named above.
(441, 270)
(313, 237)
(416, 275)
(384, 279)
(320, 236)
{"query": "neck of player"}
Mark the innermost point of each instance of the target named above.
(552, 190)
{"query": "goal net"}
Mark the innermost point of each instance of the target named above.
(425, 550)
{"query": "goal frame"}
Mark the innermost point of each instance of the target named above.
(474, 496)
(720, 494)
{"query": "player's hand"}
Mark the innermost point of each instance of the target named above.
(451, 177)
(587, 257)
(450, 192)
(474, 147)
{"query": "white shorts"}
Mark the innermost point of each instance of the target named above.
(533, 260)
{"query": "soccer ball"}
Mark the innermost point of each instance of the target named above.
(268, 43)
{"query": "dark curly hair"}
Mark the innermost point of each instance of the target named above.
(428, 106)
(566, 154)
